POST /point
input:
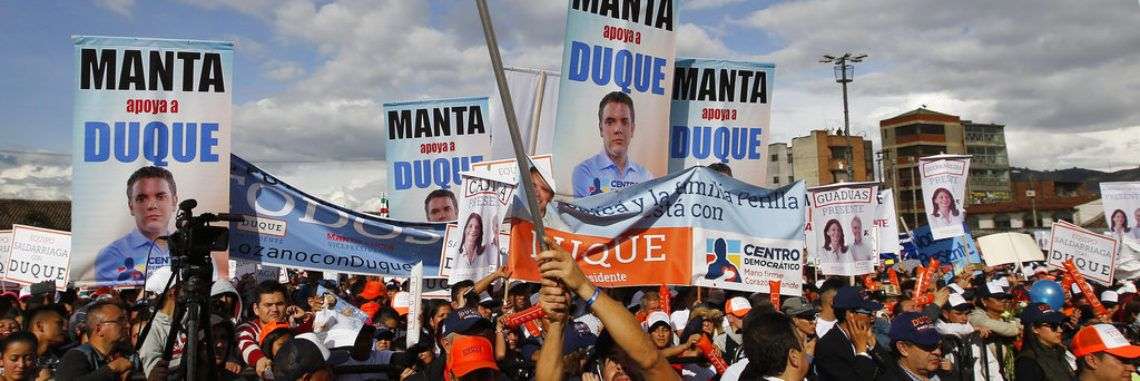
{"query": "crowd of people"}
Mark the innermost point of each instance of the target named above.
(983, 323)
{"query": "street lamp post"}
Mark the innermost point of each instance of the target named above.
(844, 73)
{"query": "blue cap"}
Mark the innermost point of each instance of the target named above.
(1041, 313)
(855, 299)
(914, 327)
(577, 336)
(464, 321)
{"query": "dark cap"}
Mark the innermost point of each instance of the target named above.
(487, 301)
(1041, 313)
(797, 305)
(302, 355)
(577, 336)
(854, 299)
(914, 327)
(464, 321)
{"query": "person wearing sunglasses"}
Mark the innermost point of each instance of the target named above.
(1042, 354)
(916, 349)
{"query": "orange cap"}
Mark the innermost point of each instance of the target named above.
(738, 307)
(370, 309)
(402, 302)
(1103, 338)
(270, 327)
(372, 289)
(470, 353)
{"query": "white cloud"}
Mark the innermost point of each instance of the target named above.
(706, 4)
(122, 7)
(35, 176)
(283, 71)
(694, 41)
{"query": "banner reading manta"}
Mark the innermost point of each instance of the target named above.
(944, 182)
(720, 114)
(1122, 208)
(692, 227)
(285, 227)
(152, 128)
(842, 217)
(429, 143)
(483, 204)
(613, 107)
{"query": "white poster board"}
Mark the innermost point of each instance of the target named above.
(38, 255)
(1003, 248)
(1093, 254)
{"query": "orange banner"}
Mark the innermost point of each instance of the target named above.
(653, 256)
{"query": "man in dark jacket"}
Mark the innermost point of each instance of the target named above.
(100, 358)
(915, 348)
(844, 352)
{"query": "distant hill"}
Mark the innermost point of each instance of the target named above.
(1090, 177)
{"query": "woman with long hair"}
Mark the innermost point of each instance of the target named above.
(1042, 355)
(834, 244)
(472, 238)
(945, 209)
(18, 358)
(1119, 222)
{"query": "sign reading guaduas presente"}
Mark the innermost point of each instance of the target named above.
(944, 192)
(38, 255)
(475, 251)
(720, 114)
(842, 218)
(1093, 254)
(1122, 208)
(152, 128)
(695, 227)
(283, 226)
(613, 99)
(429, 143)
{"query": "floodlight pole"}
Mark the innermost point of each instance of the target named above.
(521, 157)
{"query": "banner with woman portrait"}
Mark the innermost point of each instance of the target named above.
(152, 129)
(944, 193)
(483, 203)
(842, 217)
(1122, 209)
(611, 128)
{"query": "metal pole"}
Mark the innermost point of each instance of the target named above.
(521, 158)
(913, 193)
(847, 121)
(536, 113)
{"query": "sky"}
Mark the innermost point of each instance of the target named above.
(311, 76)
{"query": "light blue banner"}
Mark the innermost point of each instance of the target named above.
(959, 251)
(286, 227)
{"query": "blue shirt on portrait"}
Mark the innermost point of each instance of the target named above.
(598, 174)
(119, 261)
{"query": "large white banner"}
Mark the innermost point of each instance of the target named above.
(944, 193)
(1122, 208)
(429, 143)
(613, 100)
(1093, 254)
(842, 219)
(152, 129)
(887, 224)
(720, 114)
(38, 255)
(477, 250)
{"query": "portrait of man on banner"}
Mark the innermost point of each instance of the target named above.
(611, 169)
(152, 200)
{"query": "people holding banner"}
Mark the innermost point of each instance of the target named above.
(152, 199)
(611, 169)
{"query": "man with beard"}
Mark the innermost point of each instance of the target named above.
(101, 358)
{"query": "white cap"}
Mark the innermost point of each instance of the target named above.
(402, 302)
(679, 318)
(956, 300)
(1127, 288)
(737, 306)
(157, 280)
(1076, 289)
(591, 322)
(654, 318)
(25, 291)
(955, 288)
(1109, 296)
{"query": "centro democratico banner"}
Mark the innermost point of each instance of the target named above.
(1122, 208)
(720, 114)
(152, 129)
(842, 224)
(429, 143)
(283, 226)
(611, 130)
(695, 227)
(944, 193)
